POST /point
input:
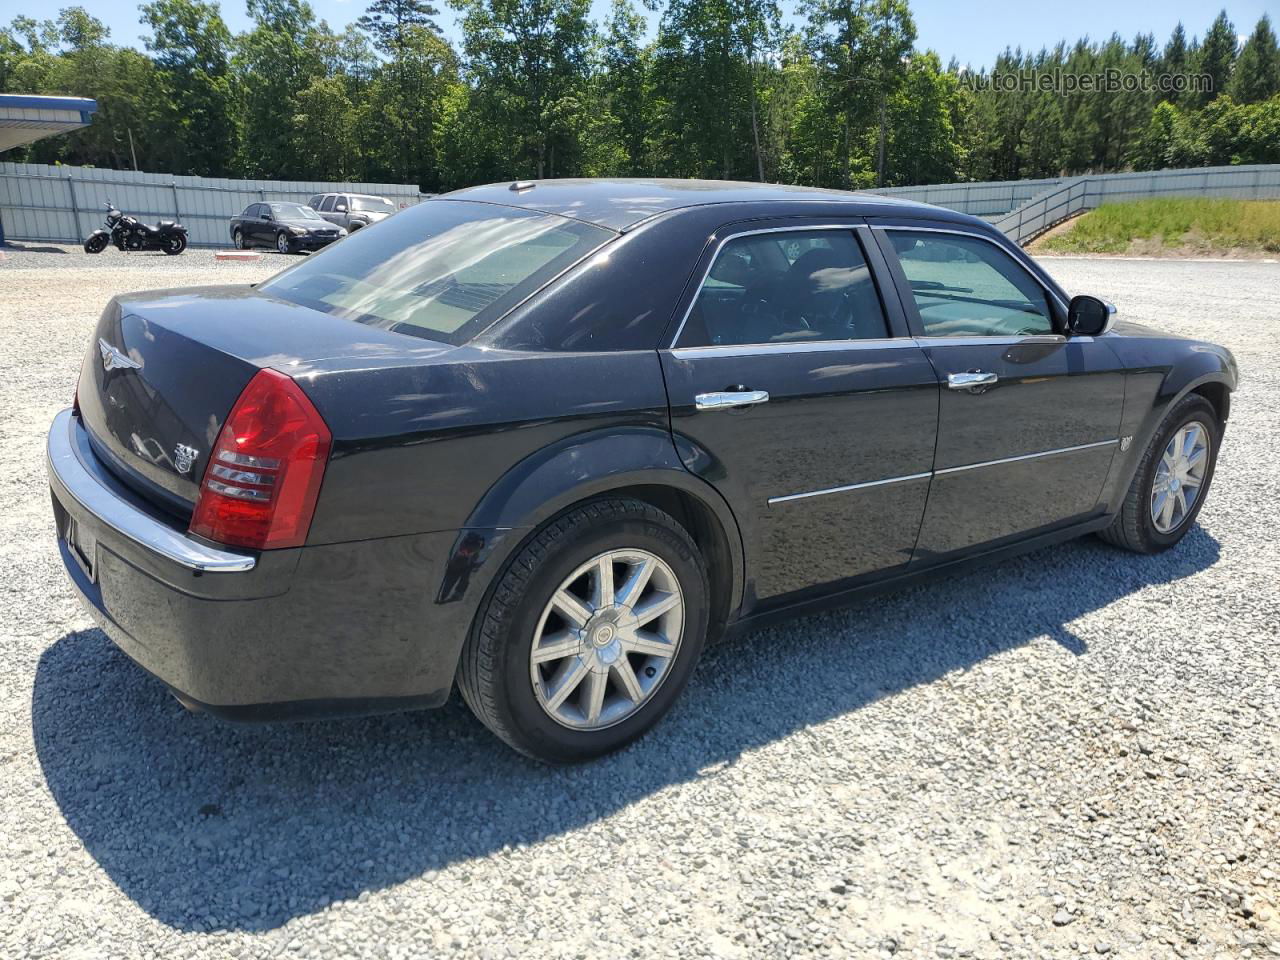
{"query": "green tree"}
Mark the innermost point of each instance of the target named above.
(195, 116)
(1215, 58)
(1257, 72)
(405, 32)
(283, 53)
(528, 63)
(1175, 61)
(923, 146)
(859, 47)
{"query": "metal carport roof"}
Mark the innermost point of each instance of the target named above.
(25, 118)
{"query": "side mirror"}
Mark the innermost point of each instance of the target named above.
(340, 208)
(1088, 316)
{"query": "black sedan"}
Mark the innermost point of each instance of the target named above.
(540, 442)
(288, 227)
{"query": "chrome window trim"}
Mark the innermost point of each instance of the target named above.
(68, 473)
(1027, 456)
(1046, 338)
(806, 346)
(808, 228)
(943, 472)
(991, 240)
(852, 486)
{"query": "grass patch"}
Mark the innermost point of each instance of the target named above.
(1190, 224)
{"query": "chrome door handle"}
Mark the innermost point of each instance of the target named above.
(973, 381)
(727, 399)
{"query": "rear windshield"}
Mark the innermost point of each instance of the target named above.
(372, 205)
(442, 270)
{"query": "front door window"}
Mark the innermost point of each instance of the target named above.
(968, 287)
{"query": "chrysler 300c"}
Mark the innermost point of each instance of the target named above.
(541, 441)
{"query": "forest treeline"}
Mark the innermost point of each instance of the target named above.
(835, 94)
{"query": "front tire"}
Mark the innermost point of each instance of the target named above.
(1172, 480)
(95, 244)
(591, 632)
(283, 243)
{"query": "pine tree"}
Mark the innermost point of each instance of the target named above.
(1257, 73)
(1174, 61)
(1216, 57)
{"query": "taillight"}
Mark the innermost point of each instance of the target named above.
(263, 477)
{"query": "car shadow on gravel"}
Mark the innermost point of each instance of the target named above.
(213, 826)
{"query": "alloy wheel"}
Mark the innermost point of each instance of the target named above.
(282, 243)
(607, 639)
(1179, 476)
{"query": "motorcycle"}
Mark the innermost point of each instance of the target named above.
(129, 233)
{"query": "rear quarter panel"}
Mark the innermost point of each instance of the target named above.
(416, 448)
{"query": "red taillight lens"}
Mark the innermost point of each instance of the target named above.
(264, 474)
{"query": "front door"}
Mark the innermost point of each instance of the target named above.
(1028, 418)
(795, 391)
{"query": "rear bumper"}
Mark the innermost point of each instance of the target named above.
(321, 630)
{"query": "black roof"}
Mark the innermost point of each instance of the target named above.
(622, 203)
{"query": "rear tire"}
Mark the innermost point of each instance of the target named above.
(499, 672)
(237, 239)
(175, 244)
(1135, 527)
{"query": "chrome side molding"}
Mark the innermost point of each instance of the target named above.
(1027, 456)
(938, 473)
(851, 486)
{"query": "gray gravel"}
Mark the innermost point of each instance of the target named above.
(1073, 754)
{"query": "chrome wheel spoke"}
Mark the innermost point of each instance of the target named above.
(602, 582)
(571, 608)
(654, 607)
(593, 695)
(635, 583)
(648, 643)
(627, 680)
(557, 646)
(566, 680)
(1158, 502)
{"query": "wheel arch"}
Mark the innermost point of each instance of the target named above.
(637, 462)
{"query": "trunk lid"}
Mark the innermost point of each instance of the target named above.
(165, 367)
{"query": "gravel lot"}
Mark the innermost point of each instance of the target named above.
(1072, 754)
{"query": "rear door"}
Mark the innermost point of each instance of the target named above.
(796, 391)
(326, 208)
(1028, 418)
(257, 227)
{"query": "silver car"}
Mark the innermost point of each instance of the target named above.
(351, 210)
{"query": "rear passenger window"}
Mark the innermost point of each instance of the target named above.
(326, 204)
(786, 287)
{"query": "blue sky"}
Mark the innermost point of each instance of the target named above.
(972, 32)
